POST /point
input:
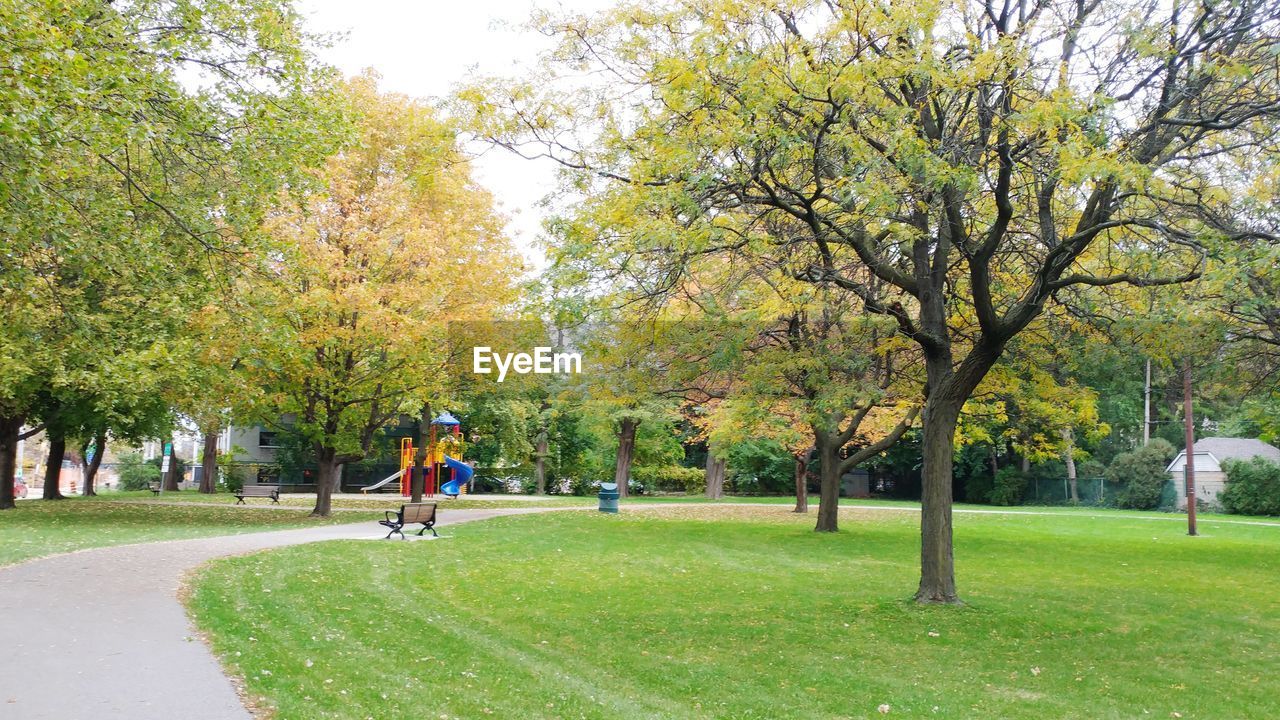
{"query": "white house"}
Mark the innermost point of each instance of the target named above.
(1210, 454)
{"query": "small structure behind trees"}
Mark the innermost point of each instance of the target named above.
(1212, 458)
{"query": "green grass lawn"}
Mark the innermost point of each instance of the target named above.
(391, 501)
(383, 501)
(744, 612)
(41, 527)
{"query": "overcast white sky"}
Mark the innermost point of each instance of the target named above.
(425, 48)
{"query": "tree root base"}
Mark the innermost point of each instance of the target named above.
(938, 599)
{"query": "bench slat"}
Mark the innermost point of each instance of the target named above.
(258, 490)
(419, 513)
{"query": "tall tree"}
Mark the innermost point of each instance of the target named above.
(395, 241)
(140, 145)
(976, 158)
(815, 378)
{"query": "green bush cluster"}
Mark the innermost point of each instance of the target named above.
(1008, 487)
(978, 486)
(671, 478)
(231, 477)
(1141, 473)
(1253, 487)
(135, 473)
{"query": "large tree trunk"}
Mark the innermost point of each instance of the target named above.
(1069, 456)
(802, 481)
(9, 429)
(53, 467)
(947, 389)
(326, 477)
(829, 483)
(209, 460)
(626, 450)
(937, 566)
(91, 470)
(418, 475)
(715, 475)
(540, 449)
(170, 479)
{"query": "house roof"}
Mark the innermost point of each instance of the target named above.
(1223, 449)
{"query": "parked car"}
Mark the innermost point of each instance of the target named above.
(19, 488)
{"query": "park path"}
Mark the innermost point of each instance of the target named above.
(100, 634)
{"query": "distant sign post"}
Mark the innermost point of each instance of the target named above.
(164, 463)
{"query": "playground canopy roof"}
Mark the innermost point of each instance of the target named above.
(445, 418)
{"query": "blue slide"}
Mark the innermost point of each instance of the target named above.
(462, 473)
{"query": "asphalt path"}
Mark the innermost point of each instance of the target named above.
(100, 634)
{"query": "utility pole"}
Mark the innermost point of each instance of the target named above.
(1146, 408)
(1189, 470)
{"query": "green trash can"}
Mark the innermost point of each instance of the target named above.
(608, 497)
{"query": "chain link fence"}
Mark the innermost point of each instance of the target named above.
(1093, 492)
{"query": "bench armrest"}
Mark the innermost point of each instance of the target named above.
(392, 515)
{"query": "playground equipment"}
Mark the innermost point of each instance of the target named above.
(444, 436)
(383, 482)
(462, 473)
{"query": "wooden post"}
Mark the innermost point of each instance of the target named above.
(1189, 470)
(1146, 407)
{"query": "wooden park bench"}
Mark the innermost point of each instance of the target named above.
(154, 488)
(411, 514)
(263, 491)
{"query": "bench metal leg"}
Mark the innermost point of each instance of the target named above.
(431, 528)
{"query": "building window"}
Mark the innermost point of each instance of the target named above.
(267, 439)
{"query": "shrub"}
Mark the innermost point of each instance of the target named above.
(1090, 469)
(1007, 488)
(1141, 473)
(1253, 487)
(978, 487)
(135, 473)
(671, 478)
(516, 479)
(756, 466)
(232, 477)
(1164, 448)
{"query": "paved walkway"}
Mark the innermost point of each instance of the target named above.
(100, 634)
